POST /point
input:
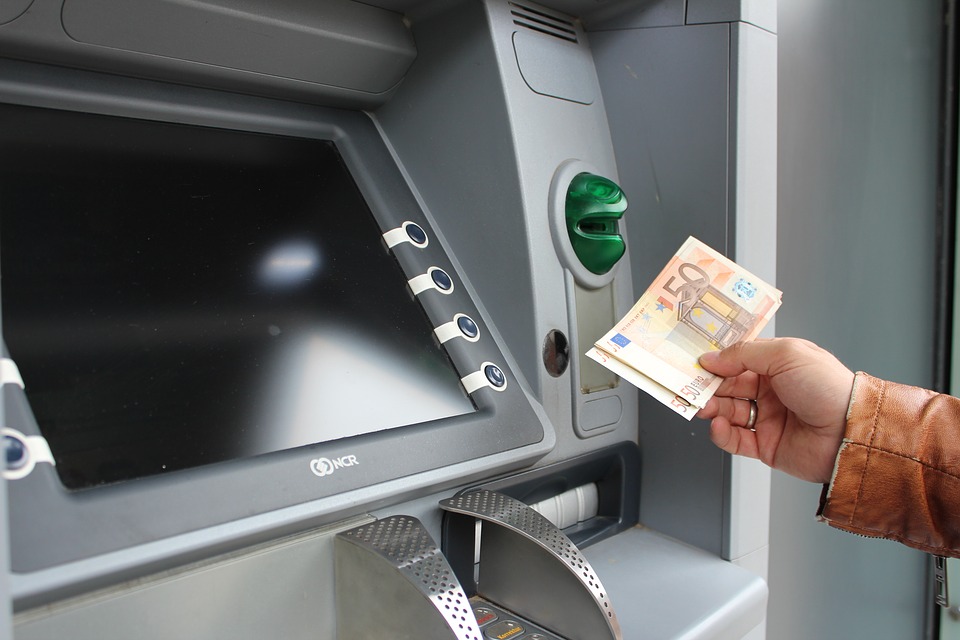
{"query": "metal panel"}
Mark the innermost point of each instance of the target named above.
(392, 580)
(667, 92)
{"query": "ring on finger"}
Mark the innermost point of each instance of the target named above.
(752, 418)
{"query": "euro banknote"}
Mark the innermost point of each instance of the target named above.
(701, 301)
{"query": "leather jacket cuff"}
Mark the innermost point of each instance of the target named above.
(893, 478)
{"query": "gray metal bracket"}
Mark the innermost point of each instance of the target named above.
(529, 566)
(392, 581)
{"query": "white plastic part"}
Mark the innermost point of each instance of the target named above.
(478, 379)
(10, 373)
(425, 282)
(399, 235)
(570, 507)
(450, 330)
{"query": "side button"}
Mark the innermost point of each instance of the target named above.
(462, 326)
(22, 453)
(434, 278)
(489, 375)
(407, 232)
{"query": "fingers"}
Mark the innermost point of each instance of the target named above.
(758, 356)
(740, 442)
(736, 411)
(745, 385)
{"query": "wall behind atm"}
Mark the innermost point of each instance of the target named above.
(856, 244)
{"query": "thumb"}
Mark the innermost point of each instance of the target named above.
(756, 356)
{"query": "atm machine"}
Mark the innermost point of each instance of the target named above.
(295, 296)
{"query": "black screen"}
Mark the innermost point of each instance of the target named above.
(176, 296)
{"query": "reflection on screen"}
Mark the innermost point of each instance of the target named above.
(176, 296)
(321, 381)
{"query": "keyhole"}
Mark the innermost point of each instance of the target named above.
(556, 353)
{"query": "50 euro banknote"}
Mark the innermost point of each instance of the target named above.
(701, 301)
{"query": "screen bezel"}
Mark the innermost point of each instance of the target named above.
(163, 330)
(182, 515)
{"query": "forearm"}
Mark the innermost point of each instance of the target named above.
(897, 474)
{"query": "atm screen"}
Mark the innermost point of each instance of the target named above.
(177, 296)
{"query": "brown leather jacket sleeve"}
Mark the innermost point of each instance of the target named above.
(897, 474)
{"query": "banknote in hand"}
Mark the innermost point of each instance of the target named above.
(701, 301)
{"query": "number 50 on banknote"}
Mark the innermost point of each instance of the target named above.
(700, 301)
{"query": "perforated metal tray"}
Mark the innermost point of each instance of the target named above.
(530, 566)
(394, 582)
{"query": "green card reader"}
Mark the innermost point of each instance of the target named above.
(594, 206)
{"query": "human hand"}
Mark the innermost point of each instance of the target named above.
(802, 393)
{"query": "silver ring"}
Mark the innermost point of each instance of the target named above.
(752, 419)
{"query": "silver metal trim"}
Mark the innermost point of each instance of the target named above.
(405, 546)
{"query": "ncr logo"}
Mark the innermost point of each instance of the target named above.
(322, 467)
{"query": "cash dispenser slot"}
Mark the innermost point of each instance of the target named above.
(598, 493)
(570, 508)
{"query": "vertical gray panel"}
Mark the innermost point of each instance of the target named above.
(666, 92)
(452, 106)
(858, 149)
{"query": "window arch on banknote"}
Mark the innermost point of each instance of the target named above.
(717, 318)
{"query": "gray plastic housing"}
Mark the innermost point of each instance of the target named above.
(481, 130)
(487, 108)
(52, 527)
(332, 52)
